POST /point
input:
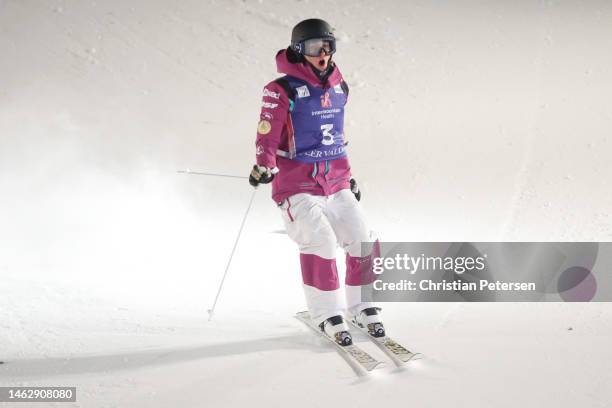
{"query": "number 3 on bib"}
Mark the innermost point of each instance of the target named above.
(328, 138)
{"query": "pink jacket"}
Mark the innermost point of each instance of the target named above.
(295, 176)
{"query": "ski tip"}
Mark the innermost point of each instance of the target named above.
(374, 366)
(302, 315)
(413, 357)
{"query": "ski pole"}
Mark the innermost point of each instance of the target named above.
(201, 173)
(211, 311)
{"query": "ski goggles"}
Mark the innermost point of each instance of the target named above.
(314, 46)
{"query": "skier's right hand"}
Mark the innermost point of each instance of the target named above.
(261, 175)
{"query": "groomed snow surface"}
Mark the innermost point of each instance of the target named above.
(468, 121)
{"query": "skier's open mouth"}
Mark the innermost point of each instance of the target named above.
(322, 62)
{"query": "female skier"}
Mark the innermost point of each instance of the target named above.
(300, 148)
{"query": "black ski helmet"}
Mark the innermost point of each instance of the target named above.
(311, 28)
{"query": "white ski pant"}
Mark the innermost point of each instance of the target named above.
(318, 224)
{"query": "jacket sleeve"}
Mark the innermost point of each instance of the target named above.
(272, 124)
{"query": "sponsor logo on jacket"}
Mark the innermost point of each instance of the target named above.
(264, 127)
(266, 116)
(271, 94)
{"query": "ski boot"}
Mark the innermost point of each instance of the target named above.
(369, 319)
(336, 329)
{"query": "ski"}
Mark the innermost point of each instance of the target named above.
(395, 351)
(353, 354)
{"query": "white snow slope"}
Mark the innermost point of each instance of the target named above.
(469, 121)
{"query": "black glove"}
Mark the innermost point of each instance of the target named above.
(355, 189)
(261, 175)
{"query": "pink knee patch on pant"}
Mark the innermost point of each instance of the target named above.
(319, 272)
(359, 269)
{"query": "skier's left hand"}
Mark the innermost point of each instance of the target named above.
(355, 189)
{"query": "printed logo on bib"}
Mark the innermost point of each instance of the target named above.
(264, 127)
(325, 101)
(338, 89)
(302, 91)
